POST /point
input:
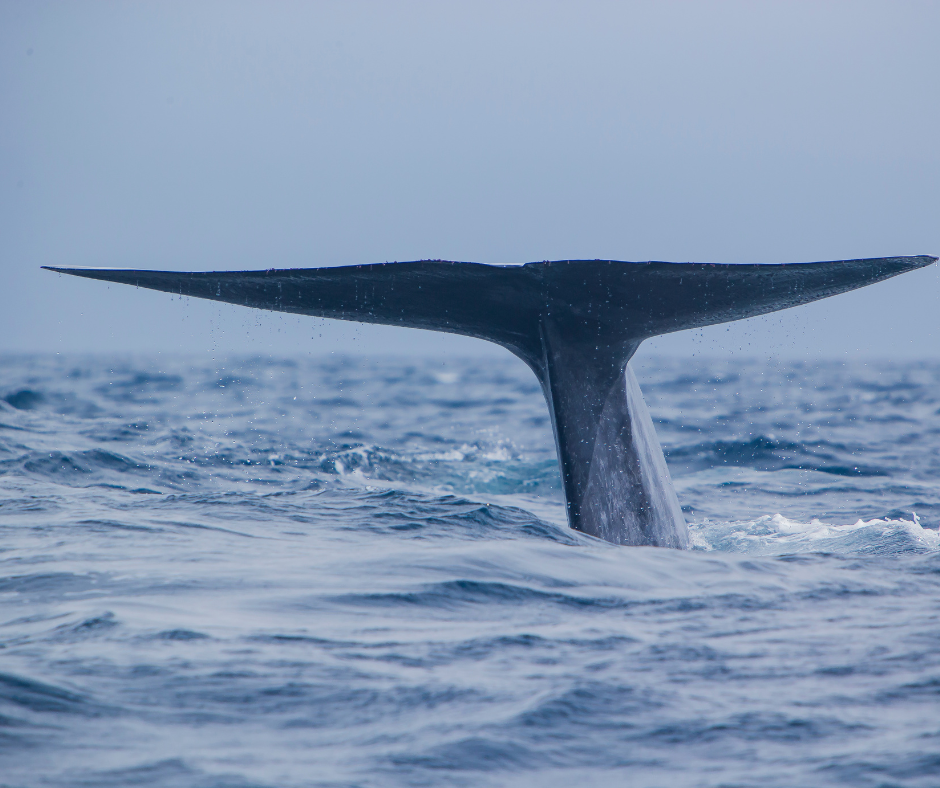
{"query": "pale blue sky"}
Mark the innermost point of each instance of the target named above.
(225, 135)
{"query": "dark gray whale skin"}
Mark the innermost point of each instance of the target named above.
(576, 323)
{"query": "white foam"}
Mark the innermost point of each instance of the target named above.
(779, 534)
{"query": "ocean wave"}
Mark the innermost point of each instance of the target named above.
(775, 534)
(260, 572)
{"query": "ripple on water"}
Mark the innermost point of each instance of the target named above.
(263, 572)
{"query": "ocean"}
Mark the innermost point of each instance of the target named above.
(356, 572)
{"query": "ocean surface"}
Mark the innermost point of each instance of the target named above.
(349, 572)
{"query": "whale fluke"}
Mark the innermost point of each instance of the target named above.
(576, 323)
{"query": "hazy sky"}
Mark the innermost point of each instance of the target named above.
(225, 135)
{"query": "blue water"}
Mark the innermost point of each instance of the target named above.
(308, 572)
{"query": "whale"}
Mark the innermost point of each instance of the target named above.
(575, 323)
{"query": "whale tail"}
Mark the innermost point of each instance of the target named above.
(576, 323)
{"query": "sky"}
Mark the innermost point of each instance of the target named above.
(246, 135)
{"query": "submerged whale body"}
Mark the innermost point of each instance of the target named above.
(576, 323)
